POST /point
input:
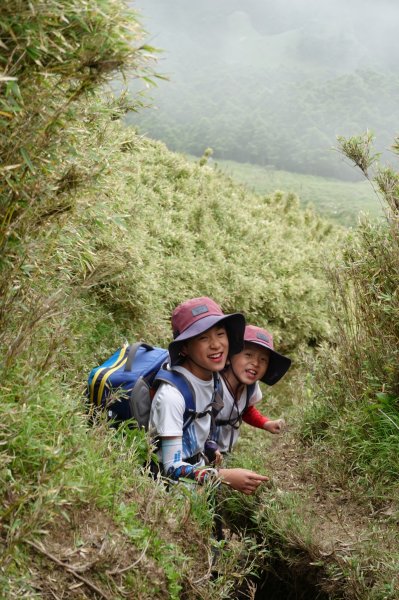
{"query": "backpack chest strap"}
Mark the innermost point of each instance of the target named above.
(183, 385)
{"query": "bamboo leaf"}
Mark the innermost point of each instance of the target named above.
(27, 160)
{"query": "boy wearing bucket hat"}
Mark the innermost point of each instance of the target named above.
(258, 361)
(203, 339)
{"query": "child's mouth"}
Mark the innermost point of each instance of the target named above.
(251, 373)
(216, 357)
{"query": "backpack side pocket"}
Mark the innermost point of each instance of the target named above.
(140, 402)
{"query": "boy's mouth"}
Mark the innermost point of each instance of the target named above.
(251, 373)
(216, 357)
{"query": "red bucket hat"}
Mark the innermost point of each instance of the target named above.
(196, 316)
(278, 364)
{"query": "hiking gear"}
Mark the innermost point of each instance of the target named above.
(210, 451)
(233, 420)
(125, 384)
(196, 316)
(236, 420)
(278, 364)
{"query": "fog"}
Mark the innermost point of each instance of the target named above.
(306, 69)
(367, 27)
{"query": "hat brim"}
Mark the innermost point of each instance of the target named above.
(235, 327)
(278, 366)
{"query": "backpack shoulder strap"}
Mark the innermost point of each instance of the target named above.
(181, 383)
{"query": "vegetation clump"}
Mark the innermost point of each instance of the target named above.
(341, 498)
(53, 57)
(359, 408)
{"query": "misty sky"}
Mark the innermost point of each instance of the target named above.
(177, 25)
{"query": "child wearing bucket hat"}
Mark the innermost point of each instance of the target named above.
(204, 337)
(258, 361)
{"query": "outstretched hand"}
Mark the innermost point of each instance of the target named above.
(274, 426)
(242, 480)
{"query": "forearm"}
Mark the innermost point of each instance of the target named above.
(175, 467)
(241, 480)
(253, 417)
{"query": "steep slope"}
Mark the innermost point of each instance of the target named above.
(107, 263)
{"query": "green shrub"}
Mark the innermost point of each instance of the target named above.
(357, 383)
(54, 55)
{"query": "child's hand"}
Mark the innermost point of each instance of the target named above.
(274, 426)
(242, 480)
(218, 458)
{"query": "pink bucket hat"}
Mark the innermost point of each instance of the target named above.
(278, 364)
(196, 316)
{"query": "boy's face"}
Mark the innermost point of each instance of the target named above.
(251, 364)
(207, 352)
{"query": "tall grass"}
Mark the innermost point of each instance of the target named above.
(53, 56)
(104, 232)
(151, 230)
(357, 383)
(56, 475)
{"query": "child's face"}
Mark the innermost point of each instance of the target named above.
(207, 352)
(251, 364)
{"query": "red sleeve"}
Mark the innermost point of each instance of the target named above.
(253, 417)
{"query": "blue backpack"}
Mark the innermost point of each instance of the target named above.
(125, 384)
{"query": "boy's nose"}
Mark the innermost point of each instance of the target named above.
(215, 341)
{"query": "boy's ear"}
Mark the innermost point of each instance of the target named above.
(183, 350)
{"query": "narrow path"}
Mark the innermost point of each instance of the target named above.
(346, 548)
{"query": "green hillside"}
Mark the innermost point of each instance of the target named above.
(339, 201)
(152, 230)
(103, 233)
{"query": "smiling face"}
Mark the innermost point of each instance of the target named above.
(207, 352)
(251, 364)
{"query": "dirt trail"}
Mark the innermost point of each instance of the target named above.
(350, 541)
(340, 523)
